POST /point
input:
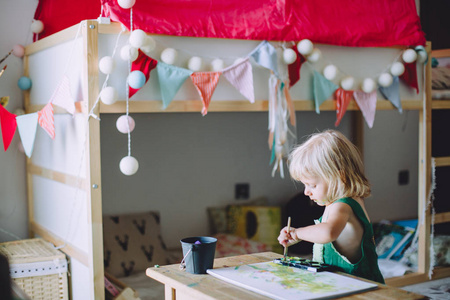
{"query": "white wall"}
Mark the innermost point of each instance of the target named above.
(15, 20)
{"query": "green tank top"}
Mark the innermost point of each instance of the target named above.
(367, 266)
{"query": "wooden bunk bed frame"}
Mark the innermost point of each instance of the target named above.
(93, 259)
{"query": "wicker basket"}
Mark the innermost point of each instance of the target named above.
(37, 268)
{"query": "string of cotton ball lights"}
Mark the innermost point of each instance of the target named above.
(330, 72)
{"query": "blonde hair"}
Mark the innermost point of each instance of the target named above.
(330, 156)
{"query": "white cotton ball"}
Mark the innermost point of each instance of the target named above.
(315, 55)
(121, 124)
(138, 38)
(409, 56)
(18, 50)
(169, 55)
(422, 56)
(397, 69)
(289, 56)
(385, 80)
(347, 83)
(195, 64)
(106, 65)
(368, 85)
(37, 26)
(305, 47)
(149, 45)
(129, 53)
(129, 165)
(126, 3)
(19, 111)
(217, 65)
(108, 95)
(330, 72)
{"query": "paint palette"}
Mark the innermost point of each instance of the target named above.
(304, 264)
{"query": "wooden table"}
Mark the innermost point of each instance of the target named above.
(179, 284)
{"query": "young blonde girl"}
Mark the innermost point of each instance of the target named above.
(330, 168)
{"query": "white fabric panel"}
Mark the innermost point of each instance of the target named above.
(47, 67)
(81, 281)
(62, 210)
(66, 152)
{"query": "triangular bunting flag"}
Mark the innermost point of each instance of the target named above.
(367, 103)
(27, 125)
(323, 89)
(146, 65)
(392, 93)
(9, 125)
(62, 95)
(266, 55)
(294, 68)
(171, 78)
(343, 98)
(241, 77)
(410, 75)
(46, 120)
(206, 83)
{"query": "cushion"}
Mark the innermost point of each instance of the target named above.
(217, 215)
(231, 245)
(132, 243)
(440, 78)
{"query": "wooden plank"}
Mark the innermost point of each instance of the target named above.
(68, 249)
(94, 207)
(440, 53)
(443, 161)
(70, 180)
(425, 174)
(407, 279)
(237, 106)
(52, 40)
(113, 28)
(443, 217)
(80, 107)
(441, 104)
(441, 272)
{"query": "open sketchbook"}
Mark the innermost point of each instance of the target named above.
(282, 282)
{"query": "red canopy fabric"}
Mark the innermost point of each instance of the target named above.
(364, 23)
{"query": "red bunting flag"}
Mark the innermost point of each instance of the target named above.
(46, 120)
(145, 64)
(343, 98)
(206, 83)
(410, 75)
(9, 125)
(294, 68)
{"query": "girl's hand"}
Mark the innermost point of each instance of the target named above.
(288, 238)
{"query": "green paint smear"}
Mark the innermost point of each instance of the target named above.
(305, 281)
(192, 284)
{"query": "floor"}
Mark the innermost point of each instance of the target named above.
(438, 289)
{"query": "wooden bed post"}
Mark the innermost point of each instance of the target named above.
(425, 173)
(90, 93)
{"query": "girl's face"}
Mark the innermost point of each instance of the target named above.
(316, 189)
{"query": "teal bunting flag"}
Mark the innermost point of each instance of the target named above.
(323, 89)
(266, 55)
(171, 78)
(392, 93)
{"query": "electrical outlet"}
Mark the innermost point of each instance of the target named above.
(403, 177)
(242, 191)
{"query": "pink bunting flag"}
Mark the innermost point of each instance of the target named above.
(62, 96)
(241, 77)
(410, 75)
(206, 83)
(9, 125)
(343, 98)
(367, 103)
(46, 120)
(294, 68)
(145, 64)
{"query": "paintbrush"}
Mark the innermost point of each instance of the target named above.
(288, 230)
